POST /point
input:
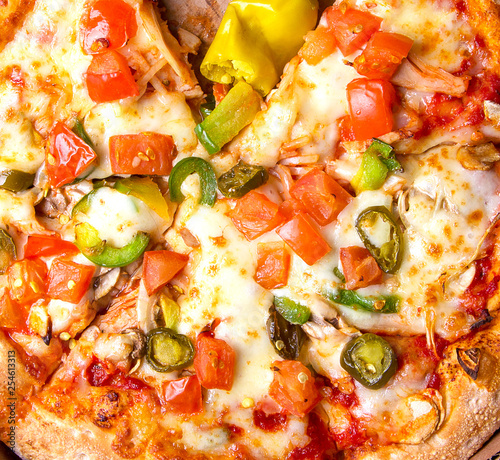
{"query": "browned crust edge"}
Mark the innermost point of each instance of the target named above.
(484, 16)
(472, 407)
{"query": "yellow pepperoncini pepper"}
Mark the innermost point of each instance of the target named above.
(256, 39)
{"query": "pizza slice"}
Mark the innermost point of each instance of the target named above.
(307, 270)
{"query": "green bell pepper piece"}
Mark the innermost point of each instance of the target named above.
(103, 254)
(256, 39)
(145, 190)
(235, 111)
(186, 167)
(378, 160)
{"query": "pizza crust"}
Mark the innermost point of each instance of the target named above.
(472, 406)
(485, 18)
(12, 15)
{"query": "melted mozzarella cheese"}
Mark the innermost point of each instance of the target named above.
(221, 286)
(165, 114)
(437, 30)
(119, 217)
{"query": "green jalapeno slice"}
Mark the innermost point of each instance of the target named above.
(242, 178)
(14, 180)
(286, 338)
(185, 168)
(389, 253)
(293, 312)
(374, 304)
(168, 351)
(370, 360)
(7, 251)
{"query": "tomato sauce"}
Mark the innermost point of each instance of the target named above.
(269, 422)
(321, 445)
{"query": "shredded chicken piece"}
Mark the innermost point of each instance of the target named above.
(413, 73)
(300, 160)
(284, 175)
(295, 144)
(167, 45)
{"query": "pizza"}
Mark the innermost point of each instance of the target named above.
(249, 230)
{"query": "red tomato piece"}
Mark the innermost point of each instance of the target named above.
(160, 267)
(319, 44)
(27, 280)
(108, 25)
(370, 106)
(109, 78)
(47, 245)
(352, 28)
(304, 239)
(345, 128)
(182, 396)
(220, 91)
(273, 264)
(214, 362)
(69, 281)
(322, 197)
(291, 207)
(382, 55)
(255, 214)
(67, 156)
(359, 267)
(144, 153)
(293, 387)
(12, 316)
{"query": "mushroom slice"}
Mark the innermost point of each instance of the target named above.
(418, 416)
(478, 157)
(121, 349)
(469, 361)
(492, 112)
(39, 322)
(105, 282)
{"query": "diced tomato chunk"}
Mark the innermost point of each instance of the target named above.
(293, 387)
(144, 153)
(359, 267)
(273, 264)
(214, 362)
(382, 55)
(182, 396)
(47, 245)
(304, 239)
(220, 91)
(352, 28)
(255, 214)
(109, 78)
(291, 207)
(69, 281)
(370, 107)
(67, 156)
(107, 25)
(160, 267)
(319, 44)
(322, 197)
(27, 280)
(12, 316)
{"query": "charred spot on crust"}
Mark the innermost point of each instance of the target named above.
(469, 361)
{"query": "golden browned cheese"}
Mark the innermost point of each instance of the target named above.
(12, 14)
(485, 18)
